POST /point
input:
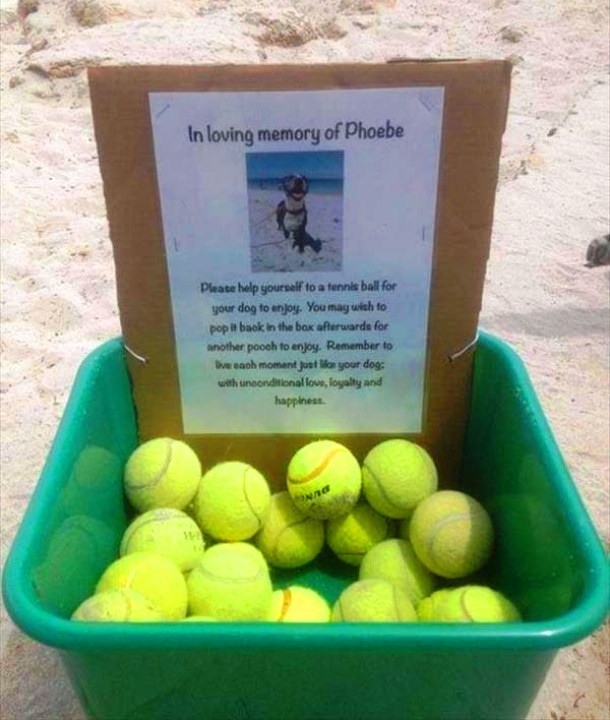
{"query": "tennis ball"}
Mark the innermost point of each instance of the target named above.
(324, 479)
(373, 601)
(167, 532)
(161, 473)
(475, 603)
(249, 551)
(232, 501)
(427, 610)
(452, 534)
(289, 539)
(230, 582)
(298, 604)
(396, 476)
(351, 536)
(395, 561)
(123, 605)
(153, 576)
(199, 618)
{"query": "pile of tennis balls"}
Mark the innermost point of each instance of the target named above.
(202, 544)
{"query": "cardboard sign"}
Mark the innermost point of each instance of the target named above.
(301, 250)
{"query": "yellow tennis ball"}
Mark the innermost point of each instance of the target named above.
(299, 604)
(452, 534)
(324, 479)
(162, 473)
(289, 539)
(351, 536)
(123, 605)
(232, 501)
(168, 532)
(230, 582)
(427, 609)
(396, 476)
(475, 603)
(153, 576)
(395, 560)
(373, 601)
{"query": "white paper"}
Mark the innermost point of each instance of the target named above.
(270, 339)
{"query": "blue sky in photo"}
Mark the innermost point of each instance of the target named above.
(323, 165)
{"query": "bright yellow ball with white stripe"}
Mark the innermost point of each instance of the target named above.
(167, 532)
(162, 473)
(324, 479)
(153, 576)
(232, 501)
(452, 534)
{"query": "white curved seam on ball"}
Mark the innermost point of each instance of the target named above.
(156, 479)
(230, 580)
(148, 521)
(440, 524)
(259, 522)
(382, 491)
(463, 604)
(283, 530)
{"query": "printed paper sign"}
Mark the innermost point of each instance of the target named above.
(299, 231)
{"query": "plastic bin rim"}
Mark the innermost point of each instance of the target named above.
(49, 629)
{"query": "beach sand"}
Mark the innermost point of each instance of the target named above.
(58, 290)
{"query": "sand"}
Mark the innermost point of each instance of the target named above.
(58, 292)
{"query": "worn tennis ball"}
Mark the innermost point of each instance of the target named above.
(153, 576)
(289, 539)
(324, 479)
(162, 473)
(427, 609)
(351, 536)
(474, 603)
(395, 560)
(373, 601)
(168, 532)
(232, 501)
(230, 582)
(123, 605)
(397, 475)
(452, 534)
(299, 604)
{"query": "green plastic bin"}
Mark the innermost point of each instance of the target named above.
(548, 559)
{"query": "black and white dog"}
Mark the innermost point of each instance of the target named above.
(291, 213)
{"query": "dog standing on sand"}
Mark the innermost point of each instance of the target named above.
(291, 213)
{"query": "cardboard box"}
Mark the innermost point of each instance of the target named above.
(474, 108)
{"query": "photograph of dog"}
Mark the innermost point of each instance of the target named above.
(291, 213)
(295, 206)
